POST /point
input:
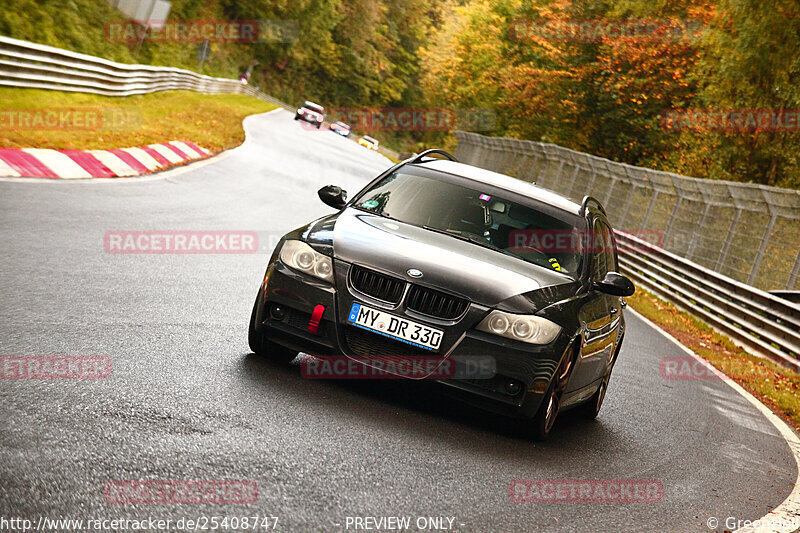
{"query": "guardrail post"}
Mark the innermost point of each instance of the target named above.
(723, 254)
(626, 207)
(513, 157)
(591, 181)
(540, 163)
(761, 250)
(491, 154)
(673, 216)
(650, 207)
(700, 225)
(614, 179)
(524, 166)
(795, 272)
(536, 161)
(574, 180)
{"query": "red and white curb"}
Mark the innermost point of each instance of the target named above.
(68, 164)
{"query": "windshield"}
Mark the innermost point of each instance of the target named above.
(313, 107)
(487, 220)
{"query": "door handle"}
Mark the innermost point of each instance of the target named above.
(613, 311)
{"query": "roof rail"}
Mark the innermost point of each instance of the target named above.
(427, 153)
(585, 203)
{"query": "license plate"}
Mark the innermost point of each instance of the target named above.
(395, 327)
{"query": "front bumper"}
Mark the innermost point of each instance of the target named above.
(287, 299)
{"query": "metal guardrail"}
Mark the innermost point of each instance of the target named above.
(762, 323)
(36, 66)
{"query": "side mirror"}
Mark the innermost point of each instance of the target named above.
(334, 196)
(615, 284)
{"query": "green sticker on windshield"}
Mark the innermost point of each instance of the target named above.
(370, 204)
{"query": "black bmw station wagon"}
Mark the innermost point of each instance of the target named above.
(439, 259)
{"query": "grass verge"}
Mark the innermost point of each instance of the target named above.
(102, 122)
(776, 387)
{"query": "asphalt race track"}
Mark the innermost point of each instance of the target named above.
(186, 400)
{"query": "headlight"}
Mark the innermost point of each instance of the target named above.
(300, 256)
(525, 328)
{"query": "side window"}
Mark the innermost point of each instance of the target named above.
(598, 242)
(610, 247)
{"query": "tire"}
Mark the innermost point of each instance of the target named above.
(540, 426)
(591, 408)
(296, 116)
(319, 125)
(264, 347)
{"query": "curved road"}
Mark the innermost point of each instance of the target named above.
(186, 400)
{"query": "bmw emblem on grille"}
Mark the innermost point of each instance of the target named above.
(414, 273)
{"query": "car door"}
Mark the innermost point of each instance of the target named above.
(600, 314)
(615, 303)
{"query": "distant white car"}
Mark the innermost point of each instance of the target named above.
(312, 113)
(368, 142)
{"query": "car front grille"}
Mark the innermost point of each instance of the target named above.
(377, 285)
(423, 300)
(435, 303)
(366, 344)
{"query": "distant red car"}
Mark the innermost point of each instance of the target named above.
(312, 113)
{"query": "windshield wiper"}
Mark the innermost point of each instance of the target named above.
(450, 233)
(383, 214)
(491, 246)
(474, 240)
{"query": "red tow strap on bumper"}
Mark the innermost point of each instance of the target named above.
(316, 318)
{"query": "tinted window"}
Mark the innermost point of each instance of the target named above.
(611, 248)
(602, 250)
(484, 219)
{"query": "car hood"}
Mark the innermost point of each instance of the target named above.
(479, 274)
